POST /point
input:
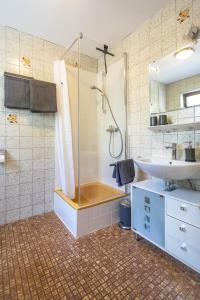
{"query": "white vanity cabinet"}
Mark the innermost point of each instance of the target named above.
(181, 220)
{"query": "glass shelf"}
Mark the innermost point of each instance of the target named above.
(175, 127)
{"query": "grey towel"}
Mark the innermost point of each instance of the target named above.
(124, 172)
(17, 91)
(42, 96)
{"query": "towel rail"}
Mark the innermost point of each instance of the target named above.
(13, 75)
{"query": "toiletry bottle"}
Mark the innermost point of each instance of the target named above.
(162, 120)
(153, 121)
(190, 153)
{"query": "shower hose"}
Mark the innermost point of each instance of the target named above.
(112, 133)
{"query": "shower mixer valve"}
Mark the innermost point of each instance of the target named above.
(112, 129)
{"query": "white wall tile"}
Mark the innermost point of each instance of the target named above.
(12, 154)
(99, 222)
(38, 198)
(26, 212)
(2, 143)
(25, 142)
(2, 180)
(26, 165)
(12, 142)
(25, 119)
(115, 216)
(12, 203)
(38, 174)
(12, 179)
(12, 191)
(38, 153)
(12, 216)
(38, 142)
(25, 130)
(49, 163)
(38, 185)
(2, 218)
(48, 206)
(2, 205)
(26, 200)
(26, 154)
(2, 130)
(26, 188)
(12, 167)
(38, 209)
(49, 196)
(26, 176)
(12, 130)
(38, 164)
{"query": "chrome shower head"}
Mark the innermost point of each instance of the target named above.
(93, 87)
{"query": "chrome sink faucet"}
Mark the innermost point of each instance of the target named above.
(173, 147)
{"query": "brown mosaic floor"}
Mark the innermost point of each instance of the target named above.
(41, 260)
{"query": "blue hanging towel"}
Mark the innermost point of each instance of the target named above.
(124, 171)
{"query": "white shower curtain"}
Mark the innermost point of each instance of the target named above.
(64, 147)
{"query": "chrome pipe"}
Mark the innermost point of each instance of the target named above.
(126, 102)
(125, 56)
(69, 48)
(79, 163)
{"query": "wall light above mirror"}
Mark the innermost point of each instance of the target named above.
(174, 80)
(184, 53)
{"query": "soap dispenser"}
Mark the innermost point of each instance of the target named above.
(190, 153)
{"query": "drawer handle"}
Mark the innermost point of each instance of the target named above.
(147, 227)
(183, 207)
(184, 247)
(147, 209)
(182, 228)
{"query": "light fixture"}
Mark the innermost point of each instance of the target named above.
(184, 53)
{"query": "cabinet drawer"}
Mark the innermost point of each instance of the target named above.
(184, 251)
(183, 231)
(183, 211)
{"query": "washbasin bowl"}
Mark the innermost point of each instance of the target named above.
(169, 169)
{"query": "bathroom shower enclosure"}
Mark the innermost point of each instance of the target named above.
(98, 121)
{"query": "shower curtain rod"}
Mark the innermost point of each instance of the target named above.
(74, 42)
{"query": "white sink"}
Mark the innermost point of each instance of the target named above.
(169, 169)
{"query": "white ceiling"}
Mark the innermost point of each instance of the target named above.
(59, 21)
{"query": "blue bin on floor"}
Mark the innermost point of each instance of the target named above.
(125, 214)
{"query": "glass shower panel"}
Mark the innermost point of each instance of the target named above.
(102, 121)
(88, 136)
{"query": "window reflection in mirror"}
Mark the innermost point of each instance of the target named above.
(191, 99)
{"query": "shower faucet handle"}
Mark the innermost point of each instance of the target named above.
(112, 129)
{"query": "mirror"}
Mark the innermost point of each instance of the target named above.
(174, 80)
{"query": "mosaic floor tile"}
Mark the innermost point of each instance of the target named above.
(41, 260)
